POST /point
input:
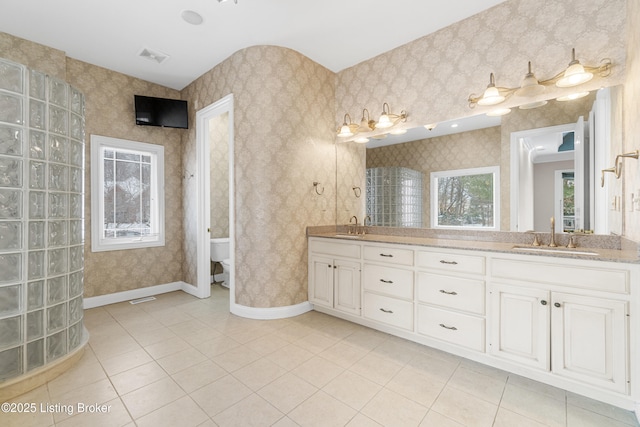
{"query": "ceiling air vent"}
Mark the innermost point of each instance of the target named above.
(153, 55)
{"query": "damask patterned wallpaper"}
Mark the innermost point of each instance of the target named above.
(39, 57)
(284, 108)
(632, 122)
(219, 155)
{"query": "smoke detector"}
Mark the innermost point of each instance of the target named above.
(153, 55)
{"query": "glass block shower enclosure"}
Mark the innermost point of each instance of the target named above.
(394, 197)
(41, 219)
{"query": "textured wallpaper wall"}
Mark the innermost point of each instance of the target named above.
(632, 124)
(39, 57)
(284, 109)
(219, 189)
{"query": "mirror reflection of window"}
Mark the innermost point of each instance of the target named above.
(465, 199)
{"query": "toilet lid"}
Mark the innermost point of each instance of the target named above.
(226, 261)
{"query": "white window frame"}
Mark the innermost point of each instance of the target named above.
(495, 170)
(157, 238)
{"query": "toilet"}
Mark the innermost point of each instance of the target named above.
(220, 253)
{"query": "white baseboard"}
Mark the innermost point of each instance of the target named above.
(117, 297)
(271, 312)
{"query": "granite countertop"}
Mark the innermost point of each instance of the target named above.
(584, 253)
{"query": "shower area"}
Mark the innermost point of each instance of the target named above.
(41, 222)
(394, 197)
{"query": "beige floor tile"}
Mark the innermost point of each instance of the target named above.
(318, 371)
(167, 347)
(376, 368)
(287, 392)
(220, 395)
(434, 419)
(391, 409)
(170, 316)
(465, 408)
(133, 379)
(601, 408)
(440, 369)
(352, 389)
(208, 423)
(506, 418)
(396, 351)
(487, 370)
(285, 422)
(322, 410)
(146, 338)
(250, 411)
(181, 360)
(35, 418)
(343, 354)
(109, 346)
(246, 335)
(236, 358)
(86, 371)
(216, 346)
(267, 344)
(259, 373)
(537, 387)
(537, 406)
(190, 327)
(293, 332)
(366, 339)
(126, 361)
(116, 415)
(96, 316)
(579, 417)
(95, 393)
(200, 335)
(147, 399)
(290, 356)
(183, 412)
(362, 421)
(197, 376)
(417, 386)
(315, 342)
(477, 384)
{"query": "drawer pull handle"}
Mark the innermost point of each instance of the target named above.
(453, 328)
(442, 291)
(448, 262)
(387, 255)
(386, 281)
(386, 311)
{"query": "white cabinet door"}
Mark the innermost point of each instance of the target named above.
(589, 340)
(520, 325)
(321, 283)
(347, 286)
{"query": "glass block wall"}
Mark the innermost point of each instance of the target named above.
(41, 219)
(394, 197)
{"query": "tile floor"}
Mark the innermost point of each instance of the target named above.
(183, 361)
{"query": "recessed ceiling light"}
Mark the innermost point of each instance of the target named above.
(193, 18)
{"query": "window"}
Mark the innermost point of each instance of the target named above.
(466, 198)
(127, 194)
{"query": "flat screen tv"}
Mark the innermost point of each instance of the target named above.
(171, 113)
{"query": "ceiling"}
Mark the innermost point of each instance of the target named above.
(335, 33)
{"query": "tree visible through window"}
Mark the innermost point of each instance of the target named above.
(465, 198)
(127, 194)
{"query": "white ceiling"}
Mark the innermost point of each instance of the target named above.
(335, 33)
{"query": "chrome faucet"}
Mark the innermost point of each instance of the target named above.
(356, 229)
(364, 224)
(552, 243)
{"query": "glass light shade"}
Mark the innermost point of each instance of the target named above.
(345, 131)
(398, 132)
(530, 86)
(361, 140)
(573, 96)
(491, 96)
(533, 105)
(384, 122)
(499, 112)
(364, 126)
(574, 75)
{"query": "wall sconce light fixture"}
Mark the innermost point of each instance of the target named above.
(574, 75)
(371, 128)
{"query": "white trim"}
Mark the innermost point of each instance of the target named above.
(203, 249)
(98, 242)
(271, 312)
(148, 291)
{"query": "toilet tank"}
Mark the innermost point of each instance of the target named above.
(219, 249)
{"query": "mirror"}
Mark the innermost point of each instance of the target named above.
(480, 142)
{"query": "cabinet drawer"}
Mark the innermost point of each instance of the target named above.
(600, 279)
(390, 281)
(453, 292)
(453, 262)
(388, 254)
(461, 329)
(388, 310)
(334, 249)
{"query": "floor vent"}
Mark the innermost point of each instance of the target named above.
(140, 300)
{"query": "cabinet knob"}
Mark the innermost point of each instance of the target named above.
(557, 304)
(543, 302)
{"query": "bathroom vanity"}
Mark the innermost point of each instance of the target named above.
(565, 318)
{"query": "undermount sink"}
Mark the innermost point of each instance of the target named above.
(349, 236)
(553, 250)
